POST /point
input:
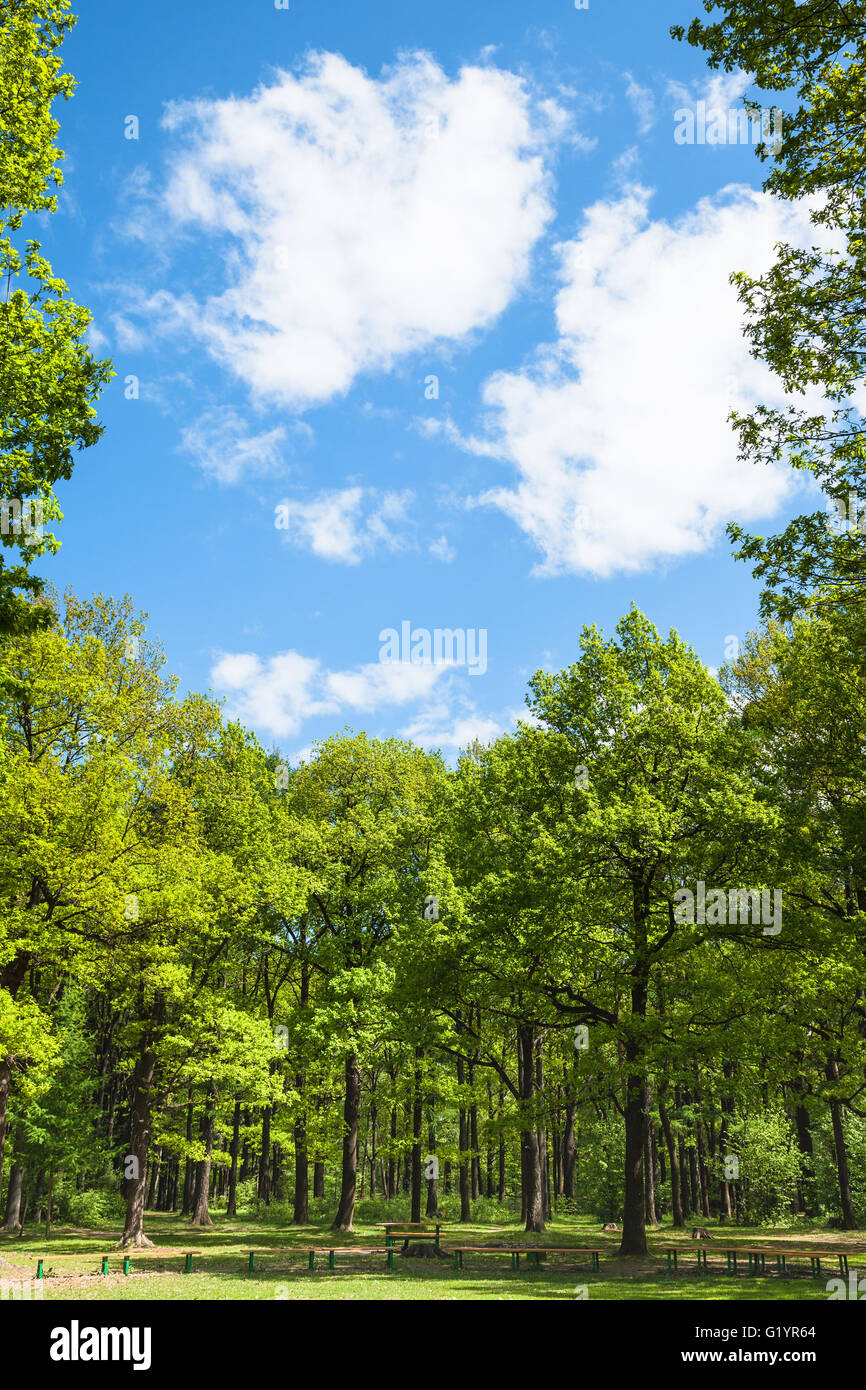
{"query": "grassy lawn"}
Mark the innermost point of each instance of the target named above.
(220, 1265)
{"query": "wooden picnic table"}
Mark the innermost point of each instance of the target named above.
(410, 1230)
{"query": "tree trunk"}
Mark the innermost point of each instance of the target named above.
(501, 1189)
(48, 1208)
(463, 1139)
(475, 1160)
(374, 1114)
(432, 1207)
(11, 978)
(13, 1197)
(673, 1156)
(264, 1184)
(37, 1197)
(849, 1219)
(633, 1220)
(139, 1143)
(232, 1206)
(201, 1215)
(301, 1210)
(569, 1151)
(154, 1177)
(189, 1167)
(392, 1156)
(693, 1178)
(649, 1175)
(417, 1122)
(684, 1176)
(344, 1219)
(702, 1169)
(529, 1148)
(806, 1186)
(5, 1082)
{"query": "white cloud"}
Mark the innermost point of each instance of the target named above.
(442, 550)
(366, 218)
(722, 91)
(97, 341)
(334, 524)
(221, 444)
(277, 695)
(382, 683)
(129, 336)
(440, 726)
(642, 103)
(618, 433)
(281, 693)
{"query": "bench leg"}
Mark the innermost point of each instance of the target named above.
(312, 1259)
(513, 1260)
(533, 1259)
(332, 1259)
(252, 1262)
(390, 1257)
(595, 1260)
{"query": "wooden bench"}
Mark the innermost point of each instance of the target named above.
(758, 1253)
(515, 1251)
(155, 1254)
(757, 1257)
(330, 1251)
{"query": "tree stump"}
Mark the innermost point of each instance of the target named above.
(610, 1226)
(700, 1233)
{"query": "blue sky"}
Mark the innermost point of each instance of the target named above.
(329, 214)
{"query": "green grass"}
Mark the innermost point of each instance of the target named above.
(220, 1270)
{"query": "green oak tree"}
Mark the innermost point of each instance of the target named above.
(49, 380)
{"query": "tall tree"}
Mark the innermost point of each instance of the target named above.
(49, 381)
(668, 803)
(805, 317)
